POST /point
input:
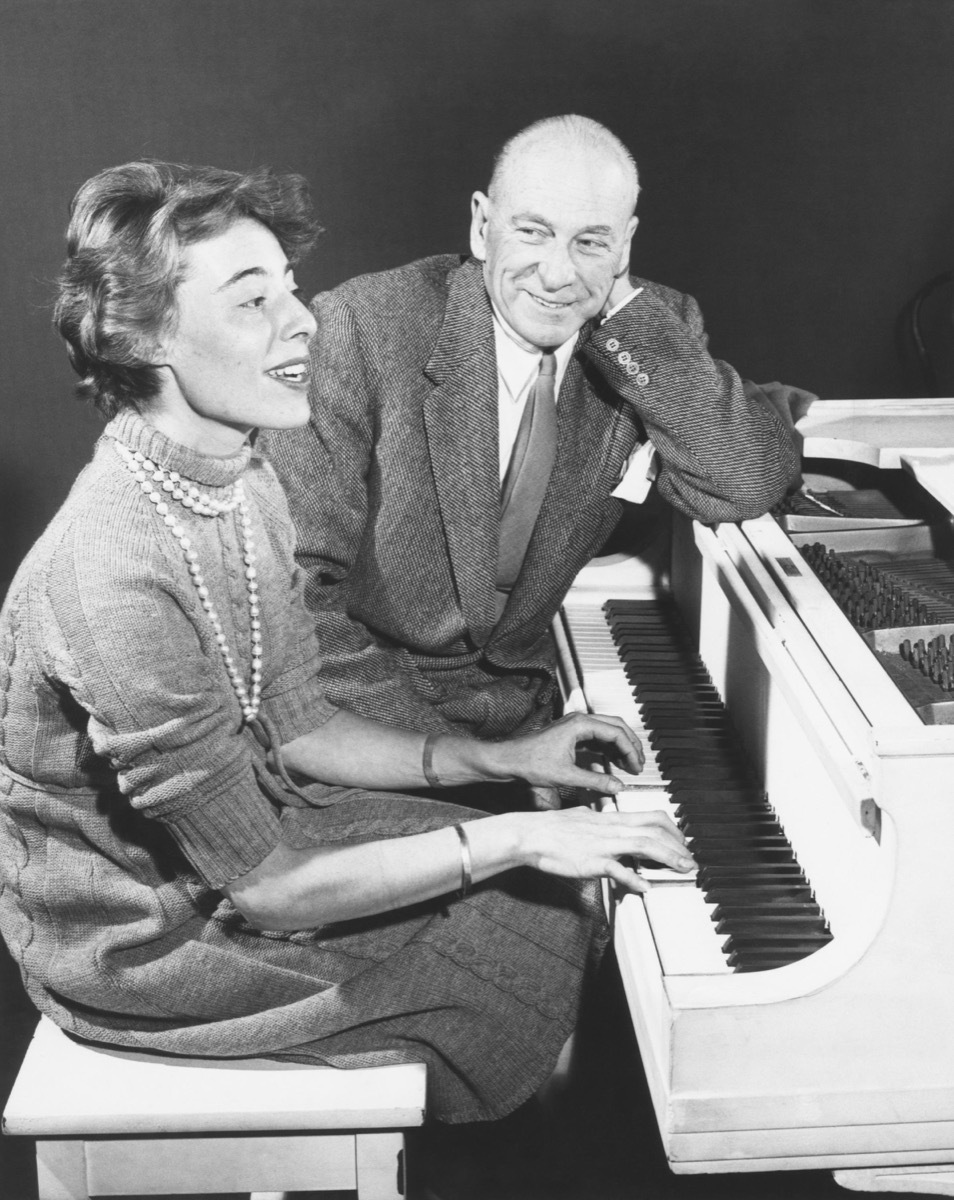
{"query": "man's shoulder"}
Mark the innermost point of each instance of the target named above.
(421, 284)
(677, 301)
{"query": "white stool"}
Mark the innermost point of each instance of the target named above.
(114, 1123)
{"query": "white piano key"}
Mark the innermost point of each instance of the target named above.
(646, 801)
(678, 912)
(649, 799)
(685, 934)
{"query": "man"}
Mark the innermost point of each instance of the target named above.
(436, 560)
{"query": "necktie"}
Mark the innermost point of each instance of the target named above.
(527, 476)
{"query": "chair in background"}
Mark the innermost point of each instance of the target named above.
(926, 336)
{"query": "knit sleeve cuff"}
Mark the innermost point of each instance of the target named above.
(299, 711)
(229, 835)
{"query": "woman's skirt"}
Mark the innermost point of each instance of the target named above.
(485, 990)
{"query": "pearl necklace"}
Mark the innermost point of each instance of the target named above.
(174, 487)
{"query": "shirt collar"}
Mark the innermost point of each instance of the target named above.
(517, 367)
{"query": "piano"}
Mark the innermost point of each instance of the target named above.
(793, 1000)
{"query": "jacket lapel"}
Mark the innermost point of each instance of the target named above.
(460, 417)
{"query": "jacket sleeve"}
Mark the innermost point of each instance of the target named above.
(725, 453)
(324, 468)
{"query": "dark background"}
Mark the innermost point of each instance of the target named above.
(797, 159)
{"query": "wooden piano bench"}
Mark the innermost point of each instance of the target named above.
(114, 1123)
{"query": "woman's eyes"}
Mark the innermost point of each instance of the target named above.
(258, 302)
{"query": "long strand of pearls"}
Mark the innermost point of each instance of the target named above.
(174, 487)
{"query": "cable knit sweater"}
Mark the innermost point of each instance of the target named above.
(130, 793)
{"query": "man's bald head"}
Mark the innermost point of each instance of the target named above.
(554, 231)
(572, 135)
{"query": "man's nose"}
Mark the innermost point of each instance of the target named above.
(556, 267)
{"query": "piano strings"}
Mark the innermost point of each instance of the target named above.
(892, 602)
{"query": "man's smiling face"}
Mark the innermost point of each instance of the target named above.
(553, 237)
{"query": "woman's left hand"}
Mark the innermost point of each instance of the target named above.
(551, 756)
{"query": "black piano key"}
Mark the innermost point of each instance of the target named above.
(767, 908)
(723, 776)
(657, 661)
(681, 704)
(716, 797)
(672, 721)
(715, 875)
(719, 751)
(765, 888)
(748, 870)
(657, 652)
(684, 709)
(762, 894)
(795, 946)
(728, 824)
(689, 737)
(742, 856)
(646, 663)
(762, 960)
(690, 743)
(772, 926)
(726, 837)
(688, 768)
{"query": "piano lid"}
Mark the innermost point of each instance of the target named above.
(877, 432)
(935, 473)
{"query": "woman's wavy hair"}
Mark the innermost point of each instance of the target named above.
(128, 227)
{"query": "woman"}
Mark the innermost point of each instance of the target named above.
(196, 853)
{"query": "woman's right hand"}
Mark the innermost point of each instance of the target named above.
(580, 843)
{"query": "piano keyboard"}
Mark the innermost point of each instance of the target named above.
(750, 906)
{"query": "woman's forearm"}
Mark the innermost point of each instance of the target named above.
(360, 752)
(302, 888)
(297, 888)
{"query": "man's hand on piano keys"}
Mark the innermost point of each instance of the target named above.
(551, 757)
(582, 844)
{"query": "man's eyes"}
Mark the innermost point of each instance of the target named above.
(589, 245)
(593, 245)
(254, 302)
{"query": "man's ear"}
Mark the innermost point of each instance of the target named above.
(479, 216)
(623, 264)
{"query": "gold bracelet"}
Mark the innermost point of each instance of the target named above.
(466, 871)
(427, 761)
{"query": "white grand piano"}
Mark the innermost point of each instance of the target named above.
(842, 1055)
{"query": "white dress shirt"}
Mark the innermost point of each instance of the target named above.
(517, 369)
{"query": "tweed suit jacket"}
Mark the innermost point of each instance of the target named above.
(394, 485)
